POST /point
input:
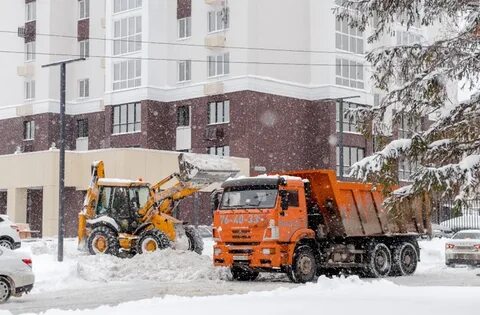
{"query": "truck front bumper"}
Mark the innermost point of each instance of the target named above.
(264, 256)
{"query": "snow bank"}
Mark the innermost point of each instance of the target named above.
(165, 265)
(329, 296)
(79, 270)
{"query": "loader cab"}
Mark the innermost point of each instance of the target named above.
(122, 203)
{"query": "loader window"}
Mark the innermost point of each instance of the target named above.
(248, 198)
(120, 204)
(138, 196)
(103, 204)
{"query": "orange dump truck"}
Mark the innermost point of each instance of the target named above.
(307, 223)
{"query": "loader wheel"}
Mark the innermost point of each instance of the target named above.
(5, 290)
(152, 240)
(405, 259)
(195, 241)
(304, 266)
(379, 261)
(244, 274)
(103, 240)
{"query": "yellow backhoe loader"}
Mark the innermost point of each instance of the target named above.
(125, 217)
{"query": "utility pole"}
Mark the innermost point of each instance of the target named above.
(340, 131)
(61, 178)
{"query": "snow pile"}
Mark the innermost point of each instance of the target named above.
(79, 270)
(165, 265)
(330, 296)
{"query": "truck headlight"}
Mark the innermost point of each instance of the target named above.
(268, 251)
(217, 251)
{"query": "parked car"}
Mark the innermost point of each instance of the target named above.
(9, 236)
(16, 275)
(463, 248)
(441, 231)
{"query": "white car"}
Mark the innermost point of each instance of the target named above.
(16, 275)
(463, 248)
(9, 236)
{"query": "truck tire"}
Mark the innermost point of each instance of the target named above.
(379, 261)
(304, 267)
(5, 290)
(151, 240)
(243, 274)
(195, 241)
(103, 240)
(405, 259)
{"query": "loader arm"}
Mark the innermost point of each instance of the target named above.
(88, 210)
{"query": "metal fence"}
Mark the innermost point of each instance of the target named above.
(457, 216)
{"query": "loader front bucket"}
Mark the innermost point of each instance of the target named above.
(203, 169)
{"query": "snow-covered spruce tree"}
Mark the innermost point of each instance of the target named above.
(414, 79)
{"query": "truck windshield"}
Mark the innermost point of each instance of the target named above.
(244, 198)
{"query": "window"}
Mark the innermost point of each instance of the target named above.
(349, 73)
(349, 123)
(84, 48)
(185, 27)
(408, 127)
(218, 20)
(408, 38)
(28, 130)
(30, 51)
(348, 38)
(293, 198)
(31, 11)
(218, 112)
(351, 155)
(127, 74)
(82, 128)
(184, 70)
(83, 9)
(30, 89)
(126, 118)
(183, 116)
(84, 88)
(124, 5)
(127, 35)
(218, 65)
(405, 169)
(221, 151)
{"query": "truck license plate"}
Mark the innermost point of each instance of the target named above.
(242, 258)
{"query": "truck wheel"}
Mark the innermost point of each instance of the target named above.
(244, 274)
(103, 240)
(405, 259)
(195, 241)
(152, 240)
(304, 266)
(6, 243)
(449, 264)
(379, 261)
(5, 290)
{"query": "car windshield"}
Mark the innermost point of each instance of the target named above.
(242, 198)
(467, 235)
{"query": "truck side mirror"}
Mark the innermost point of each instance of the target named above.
(284, 199)
(215, 200)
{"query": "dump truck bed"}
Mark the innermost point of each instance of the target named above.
(358, 208)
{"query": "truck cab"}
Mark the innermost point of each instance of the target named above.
(258, 222)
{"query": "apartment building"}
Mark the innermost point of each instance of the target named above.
(257, 79)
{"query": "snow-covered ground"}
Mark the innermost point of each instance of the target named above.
(180, 281)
